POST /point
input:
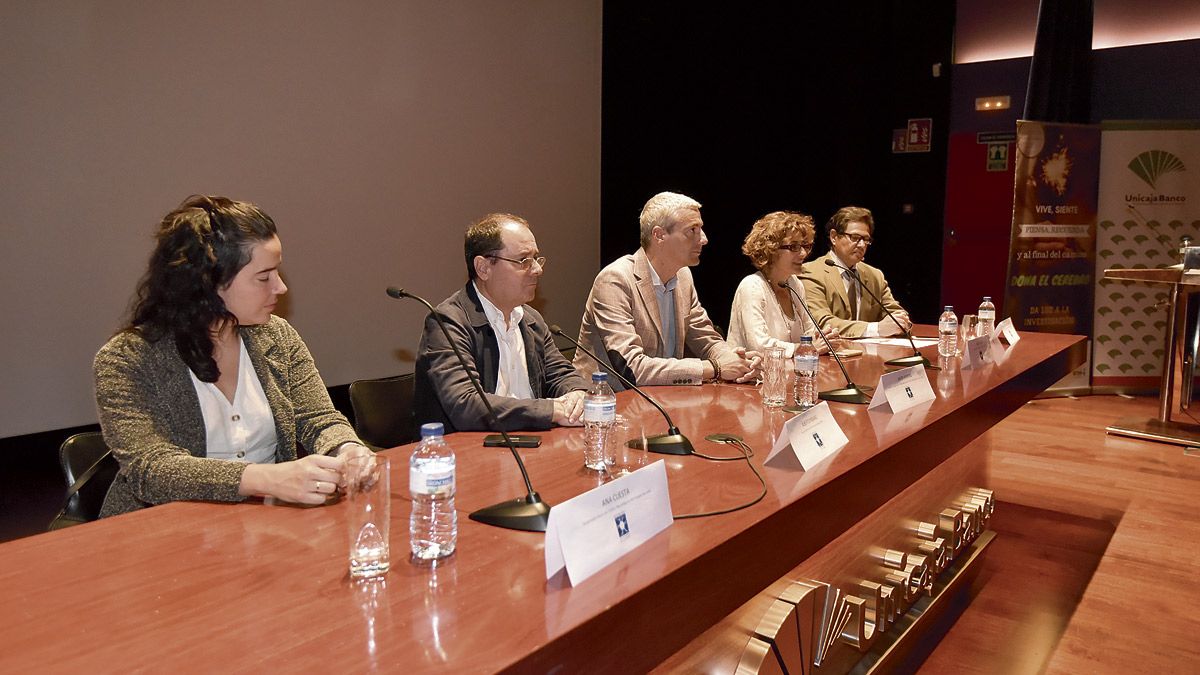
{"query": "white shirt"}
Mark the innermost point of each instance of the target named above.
(757, 320)
(872, 329)
(243, 430)
(512, 378)
(666, 311)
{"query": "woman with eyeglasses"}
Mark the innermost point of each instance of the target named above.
(205, 393)
(765, 314)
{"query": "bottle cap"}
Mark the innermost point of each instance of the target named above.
(599, 376)
(949, 308)
(987, 298)
(806, 339)
(433, 429)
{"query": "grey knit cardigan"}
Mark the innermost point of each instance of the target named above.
(150, 416)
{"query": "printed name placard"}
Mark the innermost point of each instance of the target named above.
(976, 352)
(1009, 332)
(812, 436)
(903, 389)
(589, 531)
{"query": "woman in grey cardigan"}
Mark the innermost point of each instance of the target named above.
(205, 394)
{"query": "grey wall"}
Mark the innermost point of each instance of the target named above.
(373, 133)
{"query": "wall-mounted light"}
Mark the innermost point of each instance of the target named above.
(987, 103)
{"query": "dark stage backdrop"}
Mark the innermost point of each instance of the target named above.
(761, 108)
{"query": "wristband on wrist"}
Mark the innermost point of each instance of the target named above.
(716, 369)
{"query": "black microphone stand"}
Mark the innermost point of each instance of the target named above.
(670, 443)
(904, 361)
(527, 513)
(851, 393)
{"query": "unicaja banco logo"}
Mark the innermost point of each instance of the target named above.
(1152, 164)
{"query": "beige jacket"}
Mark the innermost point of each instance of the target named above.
(621, 325)
(825, 292)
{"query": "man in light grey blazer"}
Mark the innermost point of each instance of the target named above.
(643, 317)
(834, 296)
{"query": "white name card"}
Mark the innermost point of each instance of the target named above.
(812, 436)
(977, 352)
(903, 389)
(1009, 332)
(590, 531)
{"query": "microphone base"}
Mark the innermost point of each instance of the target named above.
(908, 361)
(665, 444)
(529, 514)
(851, 394)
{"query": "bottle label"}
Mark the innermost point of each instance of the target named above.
(600, 411)
(806, 364)
(430, 481)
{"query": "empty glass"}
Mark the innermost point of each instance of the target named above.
(368, 503)
(969, 327)
(775, 374)
(621, 458)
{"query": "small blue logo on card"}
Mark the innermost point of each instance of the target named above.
(817, 438)
(622, 525)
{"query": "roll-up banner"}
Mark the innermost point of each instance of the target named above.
(1149, 200)
(1052, 249)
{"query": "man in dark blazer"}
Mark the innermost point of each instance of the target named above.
(507, 343)
(834, 296)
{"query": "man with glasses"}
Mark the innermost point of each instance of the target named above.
(833, 294)
(643, 317)
(507, 343)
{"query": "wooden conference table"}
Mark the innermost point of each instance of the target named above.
(239, 587)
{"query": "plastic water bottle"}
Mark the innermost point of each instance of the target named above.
(433, 525)
(948, 332)
(987, 316)
(805, 361)
(599, 412)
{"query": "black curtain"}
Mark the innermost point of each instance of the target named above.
(1060, 78)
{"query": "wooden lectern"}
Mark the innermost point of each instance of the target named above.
(1182, 283)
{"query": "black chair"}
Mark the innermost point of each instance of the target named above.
(383, 410)
(89, 467)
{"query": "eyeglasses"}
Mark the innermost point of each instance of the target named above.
(858, 238)
(796, 248)
(525, 264)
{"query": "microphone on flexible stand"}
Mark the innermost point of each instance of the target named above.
(527, 513)
(903, 361)
(851, 393)
(670, 443)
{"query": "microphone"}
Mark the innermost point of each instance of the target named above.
(527, 513)
(903, 361)
(670, 443)
(851, 393)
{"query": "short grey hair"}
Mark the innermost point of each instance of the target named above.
(659, 210)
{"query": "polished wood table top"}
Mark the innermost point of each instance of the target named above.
(1155, 275)
(247, 586)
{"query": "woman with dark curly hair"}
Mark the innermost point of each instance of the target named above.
(205, 394)
(764, 314)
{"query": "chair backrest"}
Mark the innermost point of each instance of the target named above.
(383, 410)
(77, 455)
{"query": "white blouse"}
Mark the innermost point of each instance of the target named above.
(757, 320)
(244, 430)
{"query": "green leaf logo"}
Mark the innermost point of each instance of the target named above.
(1152, 164)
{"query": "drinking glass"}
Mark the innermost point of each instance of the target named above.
(621, 458)
(775, 373)
(368, 502)
(969, 327)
